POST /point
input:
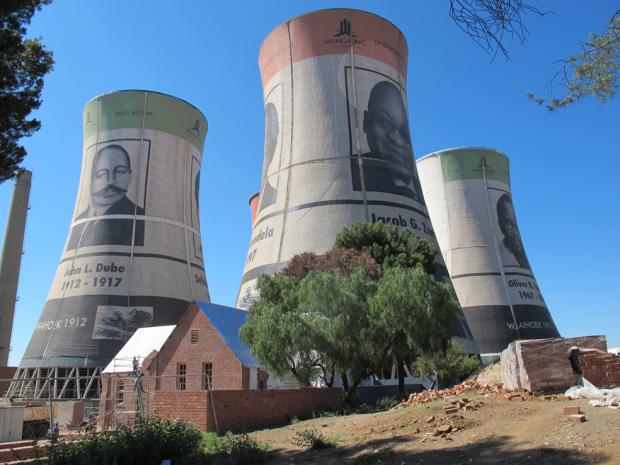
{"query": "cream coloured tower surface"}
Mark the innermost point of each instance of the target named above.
(337, 142)
(467, 191)
(133, 255)
(11, 259)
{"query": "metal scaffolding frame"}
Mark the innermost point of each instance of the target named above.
(55, 382)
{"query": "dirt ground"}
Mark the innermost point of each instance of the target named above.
(530, 432)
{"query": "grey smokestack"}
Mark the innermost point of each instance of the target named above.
(11, 260)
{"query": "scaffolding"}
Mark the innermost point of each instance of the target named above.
(58, 383)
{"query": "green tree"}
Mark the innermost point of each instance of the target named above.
(389, 245)
(335, 311)
(279, 336)
(274, 331)
(23, 63)
(451, 367)
(416, 315)
(342, 314)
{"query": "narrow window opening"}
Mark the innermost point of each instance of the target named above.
(207, 376)
(181, 376)
(120, 391)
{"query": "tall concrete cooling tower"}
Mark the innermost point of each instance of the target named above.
(467, 191)
(11, 260)
(337, 142)
(133, 256)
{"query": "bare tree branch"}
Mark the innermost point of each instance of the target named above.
(487, 22)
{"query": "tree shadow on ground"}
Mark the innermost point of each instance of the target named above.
(492, 451)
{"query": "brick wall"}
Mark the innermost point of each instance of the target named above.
(600, 368)
(243, 410)
(191, 406)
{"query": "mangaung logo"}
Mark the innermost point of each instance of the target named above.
(345, 29)
(196, 127)
(483, 166)
(344, 36)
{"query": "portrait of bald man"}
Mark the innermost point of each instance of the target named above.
(507, 220)
(389, 165)
(111, 178)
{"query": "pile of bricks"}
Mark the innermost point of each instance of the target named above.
(424, 397)
(600, 368)
(462, 404)
(542, 365)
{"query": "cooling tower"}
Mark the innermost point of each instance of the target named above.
(133, 255)
(337, 143)
(254, 205)
(11, 259)
(467, 191)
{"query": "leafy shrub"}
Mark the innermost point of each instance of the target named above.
(148, 442)
(388, 402)
(310, 439)
(451, 368)
(233, 450)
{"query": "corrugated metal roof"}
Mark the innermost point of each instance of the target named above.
(227, 321)
(140, 345)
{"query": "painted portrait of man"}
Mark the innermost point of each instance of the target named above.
(507, 220)
(111, 177)
(269, 193)
(389, 165)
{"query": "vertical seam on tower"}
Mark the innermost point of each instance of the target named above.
(185, 231)
(360, 165)
(445, 202)
(290, 156)
(464, 324)
(133, 230)
(496, 245)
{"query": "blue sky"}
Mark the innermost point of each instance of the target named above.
(564, 165)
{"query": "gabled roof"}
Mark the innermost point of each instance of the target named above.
(227, 321)
(140, 345)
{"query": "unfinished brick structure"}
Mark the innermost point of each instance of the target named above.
(600, 368)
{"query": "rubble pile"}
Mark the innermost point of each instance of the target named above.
(425, 397)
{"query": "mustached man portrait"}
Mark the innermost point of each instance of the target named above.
(111, 178)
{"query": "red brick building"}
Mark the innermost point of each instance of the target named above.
(195, 371)
(204, 352)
